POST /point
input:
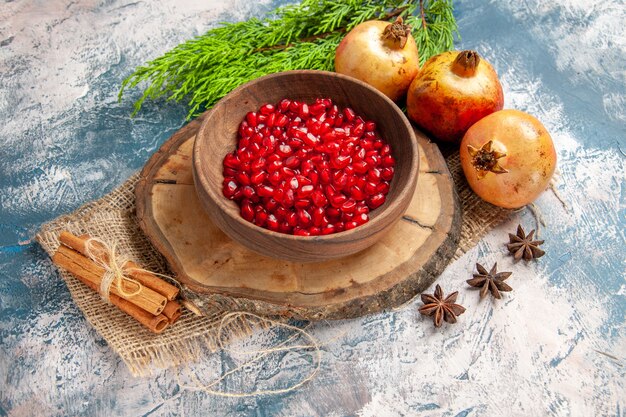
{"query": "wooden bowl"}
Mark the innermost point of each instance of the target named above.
(218, 136)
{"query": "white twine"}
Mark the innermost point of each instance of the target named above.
(233, 316)
(113, 263)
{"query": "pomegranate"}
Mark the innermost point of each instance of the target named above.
(453, 91)
(508, 158)
(381, 54)
(307, 168)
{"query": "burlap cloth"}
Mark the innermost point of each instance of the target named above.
(112, 218)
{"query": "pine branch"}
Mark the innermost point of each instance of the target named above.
(304, 36)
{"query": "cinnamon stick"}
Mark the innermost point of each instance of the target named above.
(71, 261)
(147, 299)
(172, 311)
(145, 278)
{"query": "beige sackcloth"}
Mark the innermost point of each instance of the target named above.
(112, 218)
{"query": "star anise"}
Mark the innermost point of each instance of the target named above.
(442, 309)
(490, 281)
(522, 246)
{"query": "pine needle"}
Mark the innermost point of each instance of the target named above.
(303, 36)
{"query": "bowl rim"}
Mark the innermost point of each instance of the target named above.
(377, 223)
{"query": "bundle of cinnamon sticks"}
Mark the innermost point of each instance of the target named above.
(147, 298)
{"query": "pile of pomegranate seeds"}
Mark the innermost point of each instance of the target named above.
(308, 169)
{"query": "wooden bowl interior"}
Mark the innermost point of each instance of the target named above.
(223, 122)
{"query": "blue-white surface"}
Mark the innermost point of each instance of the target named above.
(554, 346)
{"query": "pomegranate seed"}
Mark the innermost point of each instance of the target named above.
(271, 204)
(371, 188)
(356, 193)
(289, 198)
(358, 130)
(314, 231)
(258, 177)
(281, 121)
(305, 191)
(251, 119)
(248, 192)
(375, 201)
(318, 198)
(264, 191)
(230, 187)
(243, 178)
(374, 175)
(328, 229)
(292, 219)
(284, 150)
(301, 232)
(349, 206)
(275, 178)
(351, 225)
(271, 120)
(333, 213)
(340, 162)
(304, 218)
(267, 109)
(319, 216)
(348, 113)
(247, 211)
(307, 168)
(272, 222)
(283, 106)
(387, 174)
(292, 162)
(303, 111)
(360, 167)
(337, 200)
(361, 218)
(260, 218)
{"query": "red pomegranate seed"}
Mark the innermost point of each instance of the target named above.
(292, 219)
(374, 175)
(283, 106)
(351, 225)
(387, 174)
(304, 218)
(328, 229)
(248, 192)
(303, 111)
(258, 177)
(264, 191)
(305, 191)
(349, 114)
(267, 109)
(337, 200)
(272, 222)
(356, 193)
(307, 168)
(260, 218)
(361, 218)
(375, 201)
(247, 211)
(229, 188)
(318, 198)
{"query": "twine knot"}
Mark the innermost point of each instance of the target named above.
(114, 264)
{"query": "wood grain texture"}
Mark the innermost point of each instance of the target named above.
(218, 136)
(217, 269)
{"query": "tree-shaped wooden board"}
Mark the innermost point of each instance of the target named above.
(215, 269)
